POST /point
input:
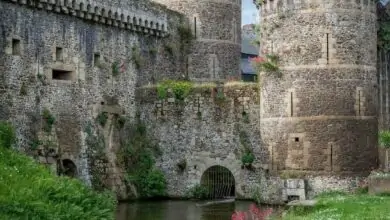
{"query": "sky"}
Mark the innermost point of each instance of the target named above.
(248, 12)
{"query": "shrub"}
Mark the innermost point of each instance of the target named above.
(180, 89)
(29, 190)
(7, 135)
(49, 120)
(198, 192)
(137, 153)
(384, 139)
(267, 63)
(247, 158)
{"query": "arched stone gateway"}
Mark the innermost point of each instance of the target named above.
(219, 181)
(69, 168)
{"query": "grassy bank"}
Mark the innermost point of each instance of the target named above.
(29, 191)
(342, 206)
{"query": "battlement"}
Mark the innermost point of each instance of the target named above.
(137, 20)
(278, 6)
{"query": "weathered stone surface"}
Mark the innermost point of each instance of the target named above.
(321, 114)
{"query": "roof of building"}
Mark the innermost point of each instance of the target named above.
(247, 46)
(246, 67)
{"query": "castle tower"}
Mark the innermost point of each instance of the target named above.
(319, 115)
(216, 26)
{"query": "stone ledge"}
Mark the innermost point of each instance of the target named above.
(278, 6)
(116, 17)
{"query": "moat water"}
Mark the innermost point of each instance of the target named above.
(178, 210)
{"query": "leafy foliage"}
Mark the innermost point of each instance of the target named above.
(247, 158)
(198, 192)
(102, 118)
(180, 89)
(115, 68)
(138, 155)
(384, 139)
(384, 35)
(7, 134)
(49, 119)
(30, 191)
(267, 63)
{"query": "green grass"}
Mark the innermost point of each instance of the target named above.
(342, 206)
(29, 191)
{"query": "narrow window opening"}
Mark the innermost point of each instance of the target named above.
(59, 54)
(327, 48)
(297, 139)
(96, 59)
(62, 74)
(15, 47)
(331, 157)
(359, 103)
(102, 103)
(291, 104)
(195, 34)
(213, 60)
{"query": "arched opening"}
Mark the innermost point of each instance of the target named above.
(69, 168)
(219, 181)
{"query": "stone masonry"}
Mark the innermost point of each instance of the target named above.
(86, 64)
(320, 115)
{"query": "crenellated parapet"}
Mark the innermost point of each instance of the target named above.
(145, 21)
(269, 7)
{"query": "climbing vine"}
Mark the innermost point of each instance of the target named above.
(49, 120)
(138, 155)
(384, 35)
(247, 157)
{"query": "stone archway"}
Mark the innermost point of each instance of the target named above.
(69, 168)
(219, 181)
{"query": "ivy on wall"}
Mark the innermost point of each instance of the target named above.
(384, 35)
(138, 154)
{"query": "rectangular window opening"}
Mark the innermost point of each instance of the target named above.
(297, 139)
(62, 74)
(15, 47)
(59, 54)
(96, 59)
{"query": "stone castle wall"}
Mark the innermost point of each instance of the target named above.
(78, 60)
(207, 129)
(321, 113)
(216, 26)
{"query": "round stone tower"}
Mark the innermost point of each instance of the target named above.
(216, 27)
(319, 115)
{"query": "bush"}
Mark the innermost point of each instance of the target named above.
(29, 190)
(180, 89)
(198, 192)
(7, 134)
(384, 139)
(138, 155)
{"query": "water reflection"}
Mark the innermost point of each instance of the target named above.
(178, 210)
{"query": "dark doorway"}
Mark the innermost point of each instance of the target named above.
(219, 181)
(69, 168)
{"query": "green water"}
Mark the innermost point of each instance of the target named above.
(178, 210)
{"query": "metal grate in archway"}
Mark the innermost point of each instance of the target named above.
(219, 181)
